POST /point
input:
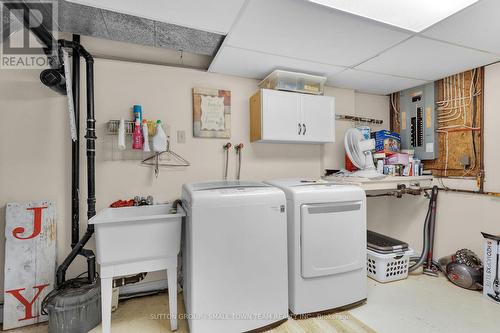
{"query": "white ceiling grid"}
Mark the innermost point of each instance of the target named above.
(352, 51)
(355, 52)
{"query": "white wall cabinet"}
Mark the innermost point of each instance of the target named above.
(280, 116)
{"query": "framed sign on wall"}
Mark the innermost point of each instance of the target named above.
(211, 113)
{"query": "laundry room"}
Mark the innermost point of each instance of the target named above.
(249, 166)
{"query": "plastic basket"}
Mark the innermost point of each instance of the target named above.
(292, 81)
(388, 267)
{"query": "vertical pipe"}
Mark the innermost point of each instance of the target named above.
(432, 226)
(75, 149)
(91, 137)
(481, 144)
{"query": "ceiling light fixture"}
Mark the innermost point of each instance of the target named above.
(414, 15)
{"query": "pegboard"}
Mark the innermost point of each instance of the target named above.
(459, 103)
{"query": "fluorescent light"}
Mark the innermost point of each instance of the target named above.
(414, 15)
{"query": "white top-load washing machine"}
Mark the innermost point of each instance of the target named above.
(234, 256)
(326, 245)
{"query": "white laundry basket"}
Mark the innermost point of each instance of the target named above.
(388, 267)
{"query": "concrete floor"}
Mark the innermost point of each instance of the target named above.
(417, 304)
(427, 304)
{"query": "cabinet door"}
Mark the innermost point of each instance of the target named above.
(280, 115)
(318, 118)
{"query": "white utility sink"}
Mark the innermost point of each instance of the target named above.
(131, 240)
(130, 234)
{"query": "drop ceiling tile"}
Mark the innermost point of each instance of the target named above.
(372, 83)
(256, 65)
(82, 20)
(427, 59)
(133, 29)
(311, 32)
(186, 39)
(209, 15)
(477, 27)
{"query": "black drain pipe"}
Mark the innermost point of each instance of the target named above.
(75, 149)
(53, 51)
(90, 139)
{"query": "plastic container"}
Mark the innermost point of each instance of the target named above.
(159, 139)
(131, 234)
(137, 139)
(398, 158)
(292, 81)
(138, 113)
(145, 135)
(388, 267)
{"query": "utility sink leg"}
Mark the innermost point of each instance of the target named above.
(172, 296)
(106, 299)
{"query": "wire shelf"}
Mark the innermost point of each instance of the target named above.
(168, 158)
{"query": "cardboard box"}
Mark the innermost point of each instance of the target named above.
(491, 279)
(387, 141)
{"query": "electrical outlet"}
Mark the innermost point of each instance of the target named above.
(181, 136)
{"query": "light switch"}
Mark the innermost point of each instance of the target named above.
(181, 136)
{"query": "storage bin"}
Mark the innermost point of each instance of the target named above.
(292, 81)
(388, 267)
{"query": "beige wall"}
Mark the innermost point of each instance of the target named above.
(35, 146)
(35, 151)
(356, 104)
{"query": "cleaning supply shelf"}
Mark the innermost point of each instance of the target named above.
(167, 158)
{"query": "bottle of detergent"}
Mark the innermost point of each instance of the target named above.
(137, 140)
(145, 135)
(160, 138)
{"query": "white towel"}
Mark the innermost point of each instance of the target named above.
(121, 135)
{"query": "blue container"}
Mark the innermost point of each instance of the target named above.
(138, 113)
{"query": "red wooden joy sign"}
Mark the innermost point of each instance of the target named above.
(30, 260)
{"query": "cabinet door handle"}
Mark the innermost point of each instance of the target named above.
(300, 128)
(305, 129)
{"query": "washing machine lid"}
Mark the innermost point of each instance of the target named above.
(229, 193)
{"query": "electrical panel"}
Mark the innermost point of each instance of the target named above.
(418, 121)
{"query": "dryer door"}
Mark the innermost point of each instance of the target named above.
(333, 238)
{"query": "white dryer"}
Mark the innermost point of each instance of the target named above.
(326, 245)
(234, 256)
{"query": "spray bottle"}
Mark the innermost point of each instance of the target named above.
(137, 135)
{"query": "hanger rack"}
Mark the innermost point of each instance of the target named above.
(359, 119)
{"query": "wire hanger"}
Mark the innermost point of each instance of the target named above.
(171, 159)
